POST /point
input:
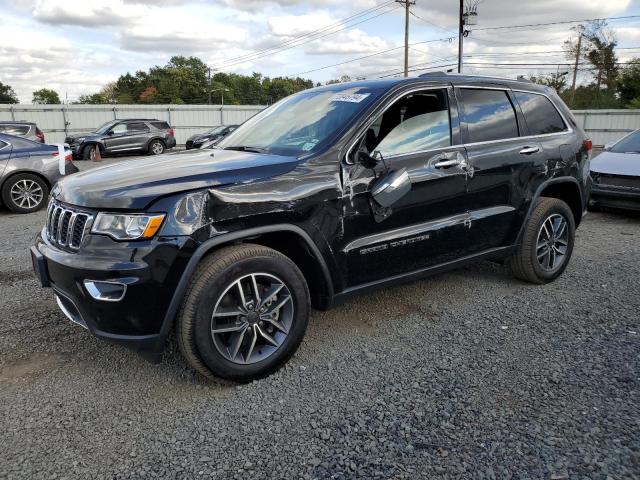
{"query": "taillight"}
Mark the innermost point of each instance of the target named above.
(588, 146)
(40, 134)
(170, 132)
(67, 158)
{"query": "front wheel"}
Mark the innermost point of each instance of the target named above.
(25, 193)
(244, 314)
(547, 242)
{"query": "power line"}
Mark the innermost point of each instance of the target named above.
(556, 23)
(310, 36)
(370, 55)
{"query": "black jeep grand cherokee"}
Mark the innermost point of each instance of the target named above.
(330, 192)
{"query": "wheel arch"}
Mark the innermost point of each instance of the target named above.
(153, 139)
(31, 172)
(290, 240)
(566, 189)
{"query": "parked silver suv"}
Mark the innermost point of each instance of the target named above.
(28, 130)
(123, 136)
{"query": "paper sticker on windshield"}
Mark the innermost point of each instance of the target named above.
(349, 97)
(308, 146)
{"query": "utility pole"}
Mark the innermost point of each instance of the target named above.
(460, 34)
(575, 67)
(209, 82)
(407, 4)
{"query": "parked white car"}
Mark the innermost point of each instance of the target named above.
(616, 174)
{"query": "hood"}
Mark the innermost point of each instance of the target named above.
(80, 135)
(134, 184)
(203, 136)
(617, 163)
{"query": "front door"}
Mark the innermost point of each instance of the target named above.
(418, 132)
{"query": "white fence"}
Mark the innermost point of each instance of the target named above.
(606, 126)
(57, 121)
(603, 126)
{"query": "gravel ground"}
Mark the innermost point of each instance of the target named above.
(467, 375)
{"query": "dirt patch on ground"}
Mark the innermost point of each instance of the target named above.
(30, 368)
(15, 276)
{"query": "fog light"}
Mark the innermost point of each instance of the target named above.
(106, 291)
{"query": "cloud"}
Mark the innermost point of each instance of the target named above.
(86, 14)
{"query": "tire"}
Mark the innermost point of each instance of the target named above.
(216, 282)
(88, 152)
(529, 262)
(15, 188)
(156, 147)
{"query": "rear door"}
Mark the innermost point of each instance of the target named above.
(138, 134)
(502, 159)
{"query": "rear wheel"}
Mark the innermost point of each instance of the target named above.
(156, 147)
(25, 193)
(547, 242)
(245, 313)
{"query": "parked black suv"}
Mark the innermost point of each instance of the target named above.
(330, 192)
(123, 136)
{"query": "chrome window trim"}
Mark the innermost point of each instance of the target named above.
(569, 130)
(372, 118)
(7, 144)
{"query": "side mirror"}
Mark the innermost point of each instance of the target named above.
(392, 187)
(110, 132)
(608, 146)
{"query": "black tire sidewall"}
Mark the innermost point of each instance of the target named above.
(209, 354)
(6, 192)
(563, 209)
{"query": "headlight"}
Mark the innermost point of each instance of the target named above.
(127, 227)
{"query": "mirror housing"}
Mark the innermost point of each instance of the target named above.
(608, 146)
(392, 187)
(110, 132)
(366, 160)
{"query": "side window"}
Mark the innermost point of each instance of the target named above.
(137, 127)
(418, 121)
(160, 125)
(119, 128)
(18, 130)
(489, 115)
(3, 144)
(540, 114)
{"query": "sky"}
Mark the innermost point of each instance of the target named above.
(77, 46)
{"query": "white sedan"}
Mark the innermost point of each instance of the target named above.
(616, 174)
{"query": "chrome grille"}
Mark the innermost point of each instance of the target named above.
(66, 227)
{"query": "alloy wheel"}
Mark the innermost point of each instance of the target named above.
(252, 318)
(26, 194)
(553, 242)
(157, 148)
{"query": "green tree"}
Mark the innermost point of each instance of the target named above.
(629, 84)
(45, 96)
(556, 80)
(7, 95)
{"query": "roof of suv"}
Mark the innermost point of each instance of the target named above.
(11, 122)
(439, 77)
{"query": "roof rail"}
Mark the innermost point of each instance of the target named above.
(432, 74)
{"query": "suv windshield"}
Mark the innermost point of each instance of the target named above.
(105, 126)
(629, 144)
(301, 123)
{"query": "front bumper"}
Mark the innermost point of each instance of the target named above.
(151, 271)
(627, 198)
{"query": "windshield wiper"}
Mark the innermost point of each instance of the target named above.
(244, 148)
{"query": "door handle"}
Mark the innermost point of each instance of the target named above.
(529, 150)
(448, 163)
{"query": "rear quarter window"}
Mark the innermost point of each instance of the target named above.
(489, 115)
(15, 129)
(540, 114)
(160, 125)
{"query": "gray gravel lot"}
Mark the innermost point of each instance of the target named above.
(470, 374)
